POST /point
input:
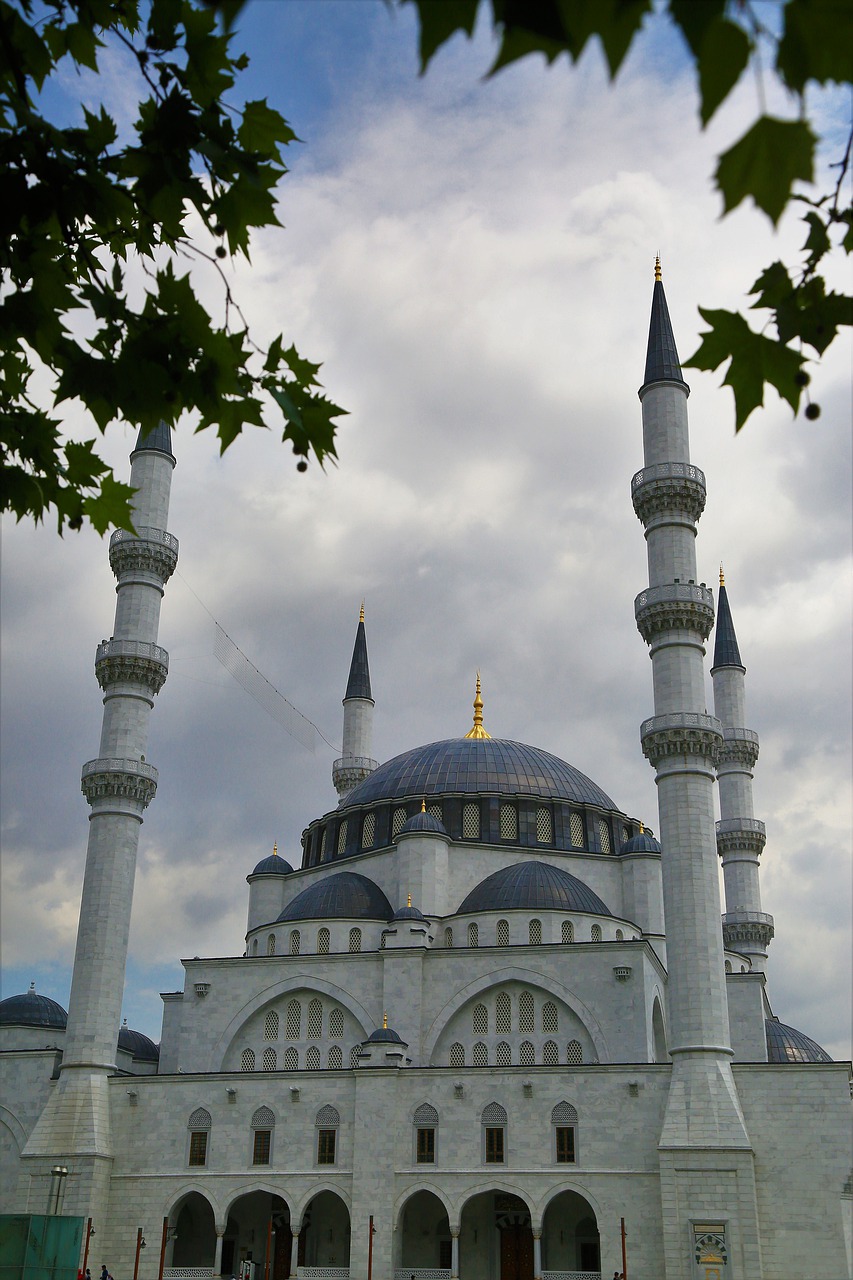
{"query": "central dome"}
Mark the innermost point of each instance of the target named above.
(474, 766)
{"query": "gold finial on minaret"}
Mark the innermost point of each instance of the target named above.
(658, 275)
(423, 804)
(642, 828)
(385, 1020)
(361, 612)
(722, 575)
(477, 731)
(275, 849)
(408, 900)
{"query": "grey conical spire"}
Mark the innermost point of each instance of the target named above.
(726, 652)
(358, 685)
(356, 762)
(662, 363)
(157, 439)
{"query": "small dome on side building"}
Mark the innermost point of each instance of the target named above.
(32, 1010)
(787, 1044)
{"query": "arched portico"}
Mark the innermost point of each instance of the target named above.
(422, 1239)
(570, 1240)
(496, 1240)
(191, 1239)
(325, 1235)
(257, 1230)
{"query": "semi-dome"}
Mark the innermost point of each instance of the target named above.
(139, 1045)
(476, 765)
(787, 1044)
(344, 896)
(32, 1010)
(533, 886)
(642, 843)
(273, 866)
(425, 823)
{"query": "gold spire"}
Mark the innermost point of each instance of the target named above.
(408, 900)
(722, 575)
(361, 612)
(642, 828)
(423, 804)
(658, 275)
(477, 731)
(385, 1020)
(275, 849)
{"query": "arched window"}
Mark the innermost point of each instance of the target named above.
(263, 1123)
(354, 940)
(291, 1059)
(448, 938)
(503, 933)
(354, 1055)
(323, 845)
(550, 1054)
(544, 826)
(620, 937)
(342, 838)
(480, 1020)
(315, 1019)
(323, 937)
(271, 945)
(457, 1055)
(473, 934)
(293, 1028)
(509, 822)
(494, 1134)
(525, 1011)
(327, 1123)
(425, 1123)
(564, 1123)
(534, 933)
(336, 1058)
(568, 931)
(574, 1053)
(268, 1060)
(470, 821)
(255, 947)
(728, 966)
(603, 835)
(294, 942)
(576, 831)
(526, 1055)
(503, 1055)
(480, 1055)
(271, 1025)
(247, 1060)
(368, 831)
(336, 1023)
(503, 1014)
(312, 1058)
(398, 821)
(595, 933)
(199, 1128)
(434, 811)
(549, 1018)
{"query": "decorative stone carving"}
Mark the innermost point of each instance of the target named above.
(740, 835)
(740, 748)
(152, 552)
(747, 929)
(126, 779)
(676, 606)
(131, 662)
(668, 490)
(349, 770)
(681, 733)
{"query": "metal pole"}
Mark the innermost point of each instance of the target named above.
(624, 1250)
(86, 1250)
(269, 1249)
(163, 1247)
(138, 1248)
(371, 1233)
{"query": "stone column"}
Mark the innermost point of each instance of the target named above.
(454, 1253)
(294, 1250)
(537, 1255)
(217, 1257)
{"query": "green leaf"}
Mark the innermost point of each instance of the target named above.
(723, 57)
(110, 507)
(754, 361)
(773, 286)
(817, 242)
(765, 163)
(552, 27)
(262, 129)
(441, 19)
(815, 43)
(694, 17)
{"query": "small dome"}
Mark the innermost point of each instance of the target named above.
(642, 843)
(384, 1035)
(345, 896)
(273, 866)
(408, 913)
(32, 1010)
(424, 823)
(135, 1043)
(786, 1044)
(533, 886)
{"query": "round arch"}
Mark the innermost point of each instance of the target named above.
(265, 1187)
(406, 1195)
(193, 1230)
(313, 1191)
(326, 1228)
(173, 1202)
(494, 1184)
(422, 1236)
(657, 1029)
(570, 1232)
(283, 988)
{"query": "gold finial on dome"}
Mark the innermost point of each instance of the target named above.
(408, 899)
(658, 275)
(642, 829)
(275, 849)
(361, 612)
(385, 1020)
(722, 575)
(423, 804)
(477, 731)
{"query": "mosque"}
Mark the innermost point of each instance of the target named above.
(484, 1025)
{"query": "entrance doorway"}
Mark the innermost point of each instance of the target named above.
(516, 1252)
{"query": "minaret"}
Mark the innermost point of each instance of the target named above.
(682, 742)
(131, 669)
(740, 836)
(356, 764)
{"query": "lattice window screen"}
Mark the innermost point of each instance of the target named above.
(620, 937)
(398, 821)
(354, 940)
(271, 1025)
(544, 826)
(457, 1055)
(509, 822)
(425, 1114)
(525, 1011)
(336, 1058)
(576, 830)
(328, 1117)
(312, 1058)
(269, 1060)
(574, 1053)
(200, 1119)
(503, 1056)
(434, 811)
(595, 933)
(564, 1113)
(263, 1118)
(503, 933)
(247, 1060)
(503, 1014)
(480, 1055)
(526, 1055)
(494, 1113)
(323, 845)
(342, 837)
(568, 931)
(448, 938)
(549, 1018)
(535, 933)
(368, 831)
(470, 822)
(271, 945)
(336, 1023)
(293, 1024)
(315, 1019)
(550, 1054)
(603, 835)
(294, 942)
(354, 1054)
(480, 1020)
(291, 1060)
(473, 935)
(323, 939)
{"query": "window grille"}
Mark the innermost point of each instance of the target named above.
(526, 1056)
(425, 1114)
(503, 1014)
(263, 1118)
(626, 833)
(323, 845)
(247, 1060)
(480, 1020)
(494, 1130)
(494, 1113)
(595, 933)
(315, 1019)
(620, 937)
(480, 1055)
(509, 822)
(457, 1055)
(574, 1053)
(473, 935)
(525, 1011)
(568, 931)
(336, 1058)
(398, 821)
(291, 1059)
(354, 941)
(261, 1146)
(368, 831)
(271, 945)
(294, 942)
(564, 1113)
(323, 939)
(293, 1025)
(448, 938)
(434, 811)
(576, 831)
(550, 1054)
(200, 1119)
(503, 933)
(544, 826)
(383, 940)
(549, 1018)
(603, 835)
(503, 1056)
(354, 1055)
(271, 1025)
(269, 1060)
(198, 1149)
(470, 822)
(534, 933)
(342, 837)
(336, 1023)
(312, 1058)
(328, 1117)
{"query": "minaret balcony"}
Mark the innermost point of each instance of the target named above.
(681, 733)
(349, 770)
(741, 835)
(125, 779)
(150, 553)
(740, 748)
(746, 930)
(675, 606)
(667, 490)
(131, 662)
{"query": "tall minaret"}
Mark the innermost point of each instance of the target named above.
(683, 742)
(355, 762)
(131, 669)
(740, 836)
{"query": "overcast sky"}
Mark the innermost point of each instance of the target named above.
(473, 263)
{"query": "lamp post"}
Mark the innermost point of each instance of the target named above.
(58, 1174)
(372, 1233)
(140, 1245)
(90, 1231)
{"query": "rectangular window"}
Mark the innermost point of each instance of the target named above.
(198, 1149)
(495, 1146)
(565, 1146)
(426, 1146)
(261, 1146)
(326, 1146)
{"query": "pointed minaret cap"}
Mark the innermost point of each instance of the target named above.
(726, 652)
(358, 685)
(477, 730)
(662, 363)
(155, 440)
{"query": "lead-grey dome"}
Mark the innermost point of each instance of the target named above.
(139, 1045)
(272, 865)
(344, 896)
(787, 1044)
(476, 765)
(384, 1035)
(32, 1010)
(425, 823)
(533, 886)
(641, 843)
